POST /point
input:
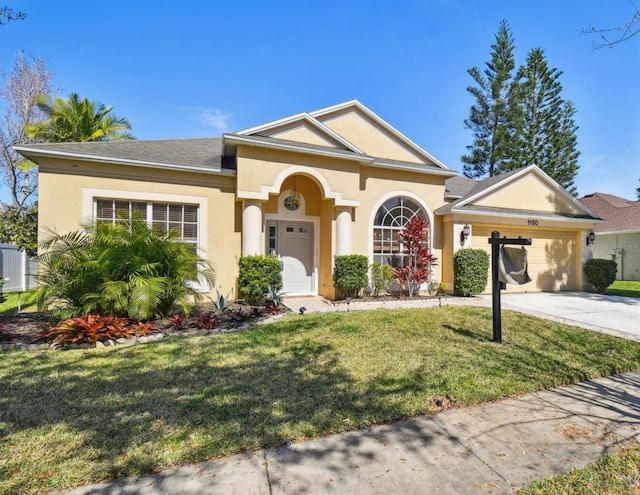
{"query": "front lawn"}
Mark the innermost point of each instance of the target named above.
(74, 417)
(629, 288)
(615, 474)
(10, 304)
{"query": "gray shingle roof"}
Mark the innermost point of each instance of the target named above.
(458, 186)
(202, 153)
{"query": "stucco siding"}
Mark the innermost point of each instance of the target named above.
(66, 203)
(302, 134)
(369, 138)
(528, 193)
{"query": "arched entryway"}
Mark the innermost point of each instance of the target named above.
(292, 230)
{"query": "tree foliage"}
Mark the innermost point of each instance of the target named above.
(548, 129)
(77, 119)
(7, 14)
(520, 120)
(19, 226)
(27, 79)
(127, 269)
(494, 117)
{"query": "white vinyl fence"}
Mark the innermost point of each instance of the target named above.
(17, 269)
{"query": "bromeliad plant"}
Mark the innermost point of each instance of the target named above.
(127, 269)
(417, 269)
(93, 328)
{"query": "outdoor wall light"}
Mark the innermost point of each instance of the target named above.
(591, 237)
(464, 234)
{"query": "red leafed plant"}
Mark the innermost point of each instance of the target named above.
(419, 260)
(140, 329)
(206, 321)
(177, 321)
(88, 329)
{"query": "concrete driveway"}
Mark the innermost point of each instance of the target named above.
(617, 315)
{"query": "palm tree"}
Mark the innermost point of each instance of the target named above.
(123, 269)
(77, 120)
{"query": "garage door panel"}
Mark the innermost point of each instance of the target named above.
(550, 258)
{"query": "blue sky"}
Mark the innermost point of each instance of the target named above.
(200, 68)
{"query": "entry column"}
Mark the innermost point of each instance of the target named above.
(343, 230)
(251, 227)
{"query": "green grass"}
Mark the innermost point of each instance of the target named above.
(10, 305)
(627, 288)
(615, 474)
(74, 417)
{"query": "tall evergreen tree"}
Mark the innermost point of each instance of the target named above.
(494, 118)
(549, 130)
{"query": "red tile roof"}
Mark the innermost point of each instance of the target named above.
(618, 213)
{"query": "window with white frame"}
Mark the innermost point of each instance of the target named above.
(389, 221)
(182, 218)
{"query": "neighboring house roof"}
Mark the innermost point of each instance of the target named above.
(620, 215)
(468, 193)
(203, 154)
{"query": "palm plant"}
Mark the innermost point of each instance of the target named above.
(77, 120)
(121, 269)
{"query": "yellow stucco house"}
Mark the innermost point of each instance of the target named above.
(339, 180)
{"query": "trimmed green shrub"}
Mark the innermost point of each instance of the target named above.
(257, 274)
(470, 272)
(600, 273)
(381, 278)
(350, 273)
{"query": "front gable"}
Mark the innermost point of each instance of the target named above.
(529, 193)
(374, 136)
(301, 128)
(349, 126)
(529, 189)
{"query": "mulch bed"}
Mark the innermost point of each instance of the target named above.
(26, 328)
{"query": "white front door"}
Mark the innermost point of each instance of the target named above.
(295, 250)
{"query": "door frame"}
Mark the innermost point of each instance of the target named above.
(271, 218)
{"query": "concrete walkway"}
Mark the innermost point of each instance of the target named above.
(489, 449)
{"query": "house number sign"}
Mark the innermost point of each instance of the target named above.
(532, 222)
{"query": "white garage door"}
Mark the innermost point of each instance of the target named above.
(552, 265)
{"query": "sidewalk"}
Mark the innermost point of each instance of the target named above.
(488, 449)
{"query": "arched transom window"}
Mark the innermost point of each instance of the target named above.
(390, 218)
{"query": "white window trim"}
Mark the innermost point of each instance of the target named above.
(89, 195)
(394, 194)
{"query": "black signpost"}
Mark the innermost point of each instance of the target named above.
(496, 285)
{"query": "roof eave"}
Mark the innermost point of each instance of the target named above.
(515, 214)
(31, 153)
(417, 169)
(234, 139)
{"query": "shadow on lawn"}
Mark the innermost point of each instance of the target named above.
(137, 409)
